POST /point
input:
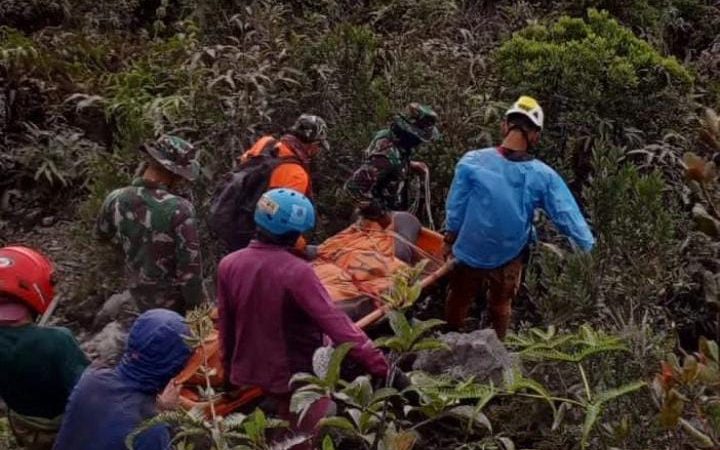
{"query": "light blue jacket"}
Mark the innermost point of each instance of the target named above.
(492, 202)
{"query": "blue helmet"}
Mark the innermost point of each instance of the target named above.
(281, 211)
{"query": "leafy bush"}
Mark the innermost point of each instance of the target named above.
(594, 70)
(634, 219)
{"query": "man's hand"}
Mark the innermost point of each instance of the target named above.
(419, 167)
(448, 242)
(169, 399)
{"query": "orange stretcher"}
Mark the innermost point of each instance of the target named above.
(356, 266)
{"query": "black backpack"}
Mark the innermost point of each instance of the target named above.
(232, 208)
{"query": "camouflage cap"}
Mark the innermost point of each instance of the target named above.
(311, 128)
(176, 155)
(419, 120)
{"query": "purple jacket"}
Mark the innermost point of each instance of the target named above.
(273, 312)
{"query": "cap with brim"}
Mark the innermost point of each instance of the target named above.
(12, 311)
(426, 134)
(190, 171)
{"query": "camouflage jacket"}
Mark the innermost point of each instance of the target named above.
(158, 233)
(380, 178)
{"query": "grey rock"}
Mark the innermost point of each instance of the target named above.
(114, 308)
(479, 354)
(106, 347)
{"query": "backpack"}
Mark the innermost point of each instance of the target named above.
(232, 208)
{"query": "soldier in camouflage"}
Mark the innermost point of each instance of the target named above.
(157, 229)
(376, 185)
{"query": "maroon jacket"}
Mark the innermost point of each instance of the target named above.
(273, 312)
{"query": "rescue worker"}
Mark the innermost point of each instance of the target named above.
(490, 210)
(377, 185)
(39, 366)
(157, 229)
(109, 404)
(273, 309)
(270, 163)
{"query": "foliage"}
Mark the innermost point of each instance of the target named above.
(689, 398)
(594, 70)
(548, 346)
(634, 220)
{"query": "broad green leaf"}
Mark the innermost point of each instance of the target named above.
(333, 372)
(400, 325)
(327, 443)
(337, 422)
(611, 394)
(471, 414)
(429, 344)
(592, 412)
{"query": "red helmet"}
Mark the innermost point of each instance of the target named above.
(28, 276)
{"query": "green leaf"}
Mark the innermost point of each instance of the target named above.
(625, 389)
(592, 412)
(337, 422)
(472, 414)
(333, 372)
(383, 394)
(420, 327)
(429, 344)
(400, 325)
(327, 443)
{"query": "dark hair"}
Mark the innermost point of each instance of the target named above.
(517, 120)
(284, 240)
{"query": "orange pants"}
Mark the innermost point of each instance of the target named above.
(500, 285)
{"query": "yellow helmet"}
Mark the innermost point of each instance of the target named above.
(530, 108)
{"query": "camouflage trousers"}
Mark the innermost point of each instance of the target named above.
(34, 433)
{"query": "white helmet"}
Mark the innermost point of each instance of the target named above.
(530, 108)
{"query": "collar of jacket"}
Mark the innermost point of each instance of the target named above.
(298, 147)
(141, 182)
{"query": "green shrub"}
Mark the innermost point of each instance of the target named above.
(634, 220)
(594, 70)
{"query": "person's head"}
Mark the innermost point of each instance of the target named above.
(26, 284)
(282, 215)
(416, 125)
(156, 351)
(525, 117)
(311, 130)
(171, 159)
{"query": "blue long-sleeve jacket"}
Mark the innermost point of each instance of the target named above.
(492, 202)
(108, 404)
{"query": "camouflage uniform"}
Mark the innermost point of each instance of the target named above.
(158, 233)
(377, 184)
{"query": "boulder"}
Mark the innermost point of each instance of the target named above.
(106, 348)
(479, 354)
(114, 308)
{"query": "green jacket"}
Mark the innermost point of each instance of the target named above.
(39, 367)
(158, 233)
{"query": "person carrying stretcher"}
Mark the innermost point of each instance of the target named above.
(273, 310)
(378, 185)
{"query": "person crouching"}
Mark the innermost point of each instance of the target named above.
(38, 365)
(109, 404)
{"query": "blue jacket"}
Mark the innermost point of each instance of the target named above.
(492, 202)
(108, 404)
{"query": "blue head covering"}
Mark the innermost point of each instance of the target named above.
(155, 350)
